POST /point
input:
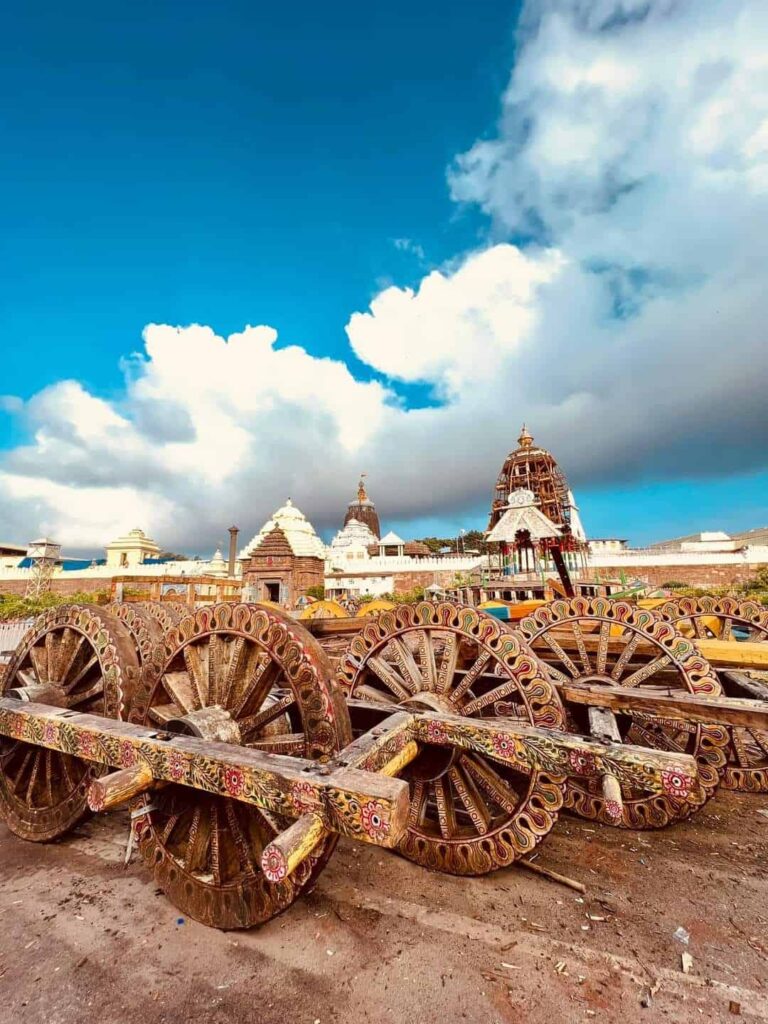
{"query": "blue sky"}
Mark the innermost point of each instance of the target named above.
(368, 181)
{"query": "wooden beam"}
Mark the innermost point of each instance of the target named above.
(669, 704)
(288, 786)
(745, 684)
(529, 748)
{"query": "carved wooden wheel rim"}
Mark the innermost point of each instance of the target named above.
(569, 624)
(89, 655)
(469, 814)
(727, 618)
(274, 681)
(166, 613)
(147, 633)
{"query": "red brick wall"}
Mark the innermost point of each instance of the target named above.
(403, 581)
(692, 575)
(58, 586)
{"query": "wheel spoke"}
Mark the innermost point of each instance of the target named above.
(446, 815)
(602, 647)
(582, 648)
(498, 693)
(33, 775)
(196, 662)
(376, 696)
(257, 686)
(565, 659)
(281, 743)
(39, 660)
(254, 723)
(240, 842)
(389, 677)
(399, 653)
(448, 663)
(487, 778)
(626, 656)
(198, 840)
(472, 675)
(72, 684)
(648, 670)
(179, 686)
(472, 800)
(70, 649)
(427, 659)
(418, 805)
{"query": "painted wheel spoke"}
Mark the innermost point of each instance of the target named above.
(564, 658)
(418, 805)
(626, 656)
(491, 782)
(254, 723)
(450, 656)
(39, 659)
(446, 814)
(473, 802)
(581, 646)
(424, 645)
(367, 692)
(161, 714)
(389, 677)
(647, 670)
(38, 757)
(400, 654)
(497, 693)
(196, 662)
(472, 675)
(240, 842)
(72, 646)
(602, 646)
(198, 840)
(258, 686)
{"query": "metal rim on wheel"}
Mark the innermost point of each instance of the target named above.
(87, 658)
(272, 686)
(469, 814)
(727, 618)
(573, 638)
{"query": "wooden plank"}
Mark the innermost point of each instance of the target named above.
(670, 704)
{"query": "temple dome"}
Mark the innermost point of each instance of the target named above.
(363, 510)
(299, 532)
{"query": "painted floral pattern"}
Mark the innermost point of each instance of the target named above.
(303, 797)
(373, 820)
(234, 780)
(273, 865)
(676, 783)
(582, 762)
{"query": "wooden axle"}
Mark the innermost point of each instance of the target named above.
(670, 705)
(603, 726)
(118, 787)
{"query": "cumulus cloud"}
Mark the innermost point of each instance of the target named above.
(618, 306)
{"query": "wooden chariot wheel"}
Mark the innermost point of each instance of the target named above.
(248, 675)
(613, 643)
(167, 613)
(80, 657)
(726, 618)
(469, 814)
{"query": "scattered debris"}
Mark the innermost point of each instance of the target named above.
(554, 876)
(681, 935)
(734, 1008)
(560, 967)
(686, 961)
(648, 994)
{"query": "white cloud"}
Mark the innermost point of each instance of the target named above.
(633, 149)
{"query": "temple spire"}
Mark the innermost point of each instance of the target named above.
(526, 438)
(361, 495)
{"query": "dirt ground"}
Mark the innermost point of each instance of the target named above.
(86, 939)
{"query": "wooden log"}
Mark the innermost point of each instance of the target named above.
(670, 705)
(555, 876)
(604, 727)
(43, 693)
(745, 684)
(118, 787)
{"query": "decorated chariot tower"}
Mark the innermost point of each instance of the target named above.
(534, 519)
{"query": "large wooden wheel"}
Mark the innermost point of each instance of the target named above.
(613, 643)
(79, 657)
(469, 814)
(727, 618)
(167, 613)
(272, 686)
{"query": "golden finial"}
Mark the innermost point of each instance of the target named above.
(526, 438)
(361, 495)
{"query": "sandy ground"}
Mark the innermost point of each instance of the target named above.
(86, 939)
